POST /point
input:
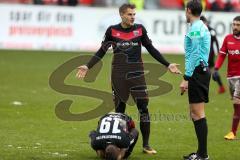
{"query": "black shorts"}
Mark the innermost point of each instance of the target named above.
(198, 86)
(123, 85)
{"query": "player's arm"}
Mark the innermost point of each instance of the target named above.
(215, 41)
(147, 43)
(106, 43)
(220, 59)
(222, 55)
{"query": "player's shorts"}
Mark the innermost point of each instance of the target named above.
(234, 87)
(198, 85)
(133, 84)
(98, 142)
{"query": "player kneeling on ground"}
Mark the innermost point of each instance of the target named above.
(115, 136)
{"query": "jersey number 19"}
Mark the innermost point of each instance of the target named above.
(109, 123)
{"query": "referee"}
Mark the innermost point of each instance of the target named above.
(197, 75)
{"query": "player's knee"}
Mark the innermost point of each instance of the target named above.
(196, 116)
(236, 100)
(142, 105)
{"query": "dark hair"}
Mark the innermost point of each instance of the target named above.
(125, 6)
(204, 19)
(112, 152)
(195, 6)
(236, 18)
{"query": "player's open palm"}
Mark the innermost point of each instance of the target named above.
(81, 71)
(174, 69)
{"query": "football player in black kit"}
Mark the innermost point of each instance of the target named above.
(213, 51)
(115, 136)
(126, 39)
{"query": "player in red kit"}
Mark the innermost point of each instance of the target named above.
(231, 49)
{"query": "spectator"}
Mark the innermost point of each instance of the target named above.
(228, 7)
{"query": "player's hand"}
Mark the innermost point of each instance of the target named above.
(174, 69)
(183, 86)
(81, 71)
(215, 75)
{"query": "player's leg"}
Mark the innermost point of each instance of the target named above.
(234, 86)
(198, 90)
(140, 96)
(133, 140)
(120, 95)
(96, 145)
(142, 105)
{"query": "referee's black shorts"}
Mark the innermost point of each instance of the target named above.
(198, 85)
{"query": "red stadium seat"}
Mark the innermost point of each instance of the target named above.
(86, 2)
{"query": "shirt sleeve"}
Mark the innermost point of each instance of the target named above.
(145, 39)
(224, 46)
(106, 43)
(222, 55)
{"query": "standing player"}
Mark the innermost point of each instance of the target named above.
(214, 49)
(127, 39)
(197, 75)
(231, 49)
(115, 136)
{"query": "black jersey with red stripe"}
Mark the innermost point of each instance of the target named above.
(126, 41)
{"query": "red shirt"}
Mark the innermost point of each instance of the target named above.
(231, 48)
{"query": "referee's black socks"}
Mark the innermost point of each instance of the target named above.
(201, 130)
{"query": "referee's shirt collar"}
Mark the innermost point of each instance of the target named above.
(195, 22)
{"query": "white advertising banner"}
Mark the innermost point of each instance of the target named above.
(82, 28)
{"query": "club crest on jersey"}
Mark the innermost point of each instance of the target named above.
(136, 33)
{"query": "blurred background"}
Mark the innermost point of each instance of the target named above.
(210, 5)
(79, 25)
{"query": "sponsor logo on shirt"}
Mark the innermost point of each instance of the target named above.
(232, 52)
(231, 43)
(136, 33)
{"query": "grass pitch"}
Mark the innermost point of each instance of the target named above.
(30, 129)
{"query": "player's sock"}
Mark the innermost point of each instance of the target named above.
(236, 118)
(201, 129)
(144, 120)
(145, 127)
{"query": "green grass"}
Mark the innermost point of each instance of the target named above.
(32, 131)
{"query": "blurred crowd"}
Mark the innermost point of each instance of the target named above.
(210, 5)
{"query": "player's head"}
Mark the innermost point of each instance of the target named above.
(236, 26)
(112, 152)
(204, 19)
(127, 13)
(193, 9)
